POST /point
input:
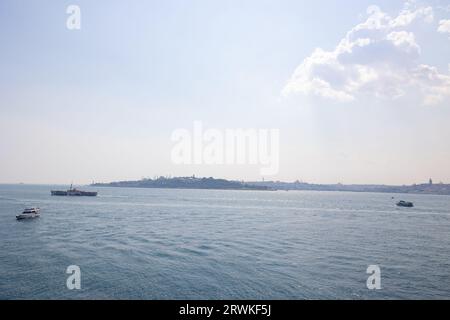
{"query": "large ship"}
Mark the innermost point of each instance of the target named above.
(74, 192)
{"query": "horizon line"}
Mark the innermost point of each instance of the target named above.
(430, 182)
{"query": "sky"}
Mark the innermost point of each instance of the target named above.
(359, 90)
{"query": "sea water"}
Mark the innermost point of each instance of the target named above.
(134, 243)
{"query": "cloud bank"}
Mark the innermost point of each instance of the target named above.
(377, 58)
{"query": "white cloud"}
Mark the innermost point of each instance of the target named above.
(377, 58)
(444, 26)
(408, 15)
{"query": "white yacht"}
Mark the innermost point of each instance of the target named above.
(29, 214)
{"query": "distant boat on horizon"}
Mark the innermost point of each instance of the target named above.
(405, 204)
(74, 192)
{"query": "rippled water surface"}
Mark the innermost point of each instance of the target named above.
(207, 244)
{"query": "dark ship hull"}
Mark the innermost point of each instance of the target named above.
(74, 193)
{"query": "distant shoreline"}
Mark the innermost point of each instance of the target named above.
(185, 183)
(223, 184)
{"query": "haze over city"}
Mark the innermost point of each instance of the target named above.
(359, 92)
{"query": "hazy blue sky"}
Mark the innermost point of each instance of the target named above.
(100, 103)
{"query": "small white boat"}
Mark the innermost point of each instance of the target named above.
(29, 214)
